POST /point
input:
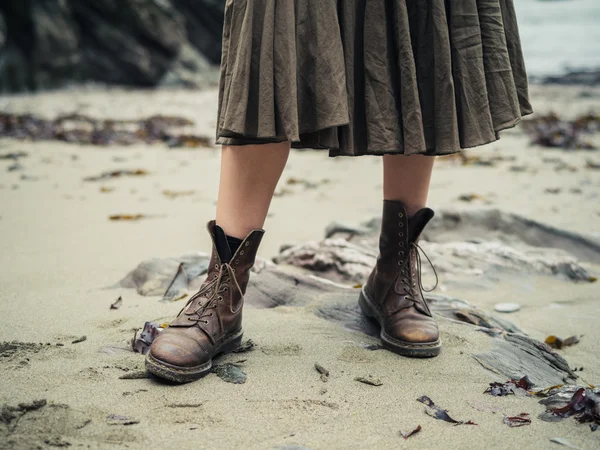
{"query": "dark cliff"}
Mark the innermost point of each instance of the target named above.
(50, 43)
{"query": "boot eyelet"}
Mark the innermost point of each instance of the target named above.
(400, 215)
(399, 263)
(237, 261)
(401, 253)
(400, 224)
(247, 243)
(401, 234)
(401, 244)
(242, 252)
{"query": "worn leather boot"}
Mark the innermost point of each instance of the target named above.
(393, 293)
(211, 321)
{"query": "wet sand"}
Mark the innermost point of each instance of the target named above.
(59, 253)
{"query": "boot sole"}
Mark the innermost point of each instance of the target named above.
(180, 374)
(413, 350)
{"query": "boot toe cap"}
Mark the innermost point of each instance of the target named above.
(415, 331)
(178, 350)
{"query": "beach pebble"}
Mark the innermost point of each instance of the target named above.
(507, 307)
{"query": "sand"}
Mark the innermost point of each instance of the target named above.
(59, 253)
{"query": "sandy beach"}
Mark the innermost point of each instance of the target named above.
(61, 257)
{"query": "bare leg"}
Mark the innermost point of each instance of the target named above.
(407, 178)
(249, 176)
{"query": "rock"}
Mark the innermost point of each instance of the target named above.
(515, 356)
(335, 259)
(153, 277)
(458, 310)
(475, 248)
(168, 277)
(3, 30)
(204, 25)
(338, 228)
(507, 307)
(52, 43)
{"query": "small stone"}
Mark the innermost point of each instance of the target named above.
(507, 307)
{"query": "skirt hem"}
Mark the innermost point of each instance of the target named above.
(242, 140)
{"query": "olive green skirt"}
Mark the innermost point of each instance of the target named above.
(371, 77)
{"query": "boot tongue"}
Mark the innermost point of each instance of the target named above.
(417, 223)
(222, 245)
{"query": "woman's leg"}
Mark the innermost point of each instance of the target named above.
(249, 176)
(406, 179)
(211, 321)
(392, 295)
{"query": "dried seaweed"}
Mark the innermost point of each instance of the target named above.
(245, 347)
(511, 387)
(518, 421)
(592, 165)
(79, 339)
(117, 174)
(175, 194)
(369, 380)
(558, 343)
(562, 441)
(81, 129)
(440, 414)
(10, 415)
(127, 217)
(13, 155)
(553, 132)
(231, 373)
(117, 304)
(177, 290)
(323, 371)
(141, 344)
(410, 433)
(583, 405)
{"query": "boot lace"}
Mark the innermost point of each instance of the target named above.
(212, 293)
(408, 275)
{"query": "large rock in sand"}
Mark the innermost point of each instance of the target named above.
(51, 43)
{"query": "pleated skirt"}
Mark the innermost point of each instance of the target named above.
(371, 77)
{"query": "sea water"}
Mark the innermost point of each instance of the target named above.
(559, 35)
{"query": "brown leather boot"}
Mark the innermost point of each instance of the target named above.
(211, 321)
(393, 293)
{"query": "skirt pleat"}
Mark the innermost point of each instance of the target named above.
(373, 77)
